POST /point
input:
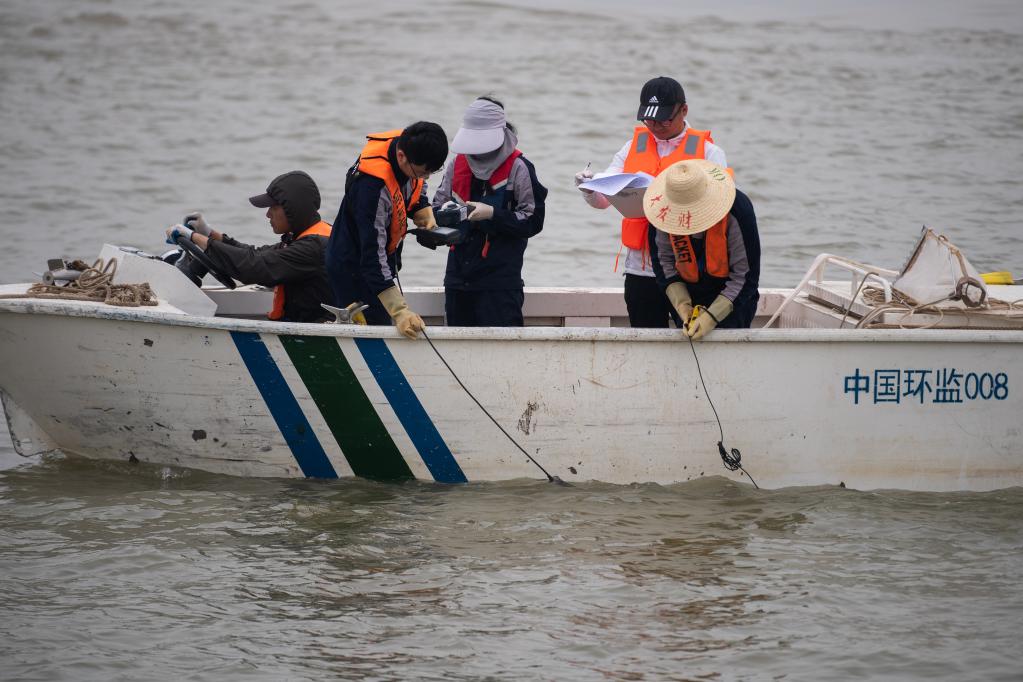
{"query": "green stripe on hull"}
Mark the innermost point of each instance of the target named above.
(345, 407)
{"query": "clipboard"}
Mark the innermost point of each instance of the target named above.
(629, 202)
(624, 190)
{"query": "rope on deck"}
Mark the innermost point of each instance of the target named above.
(94, 284)
(874, 296)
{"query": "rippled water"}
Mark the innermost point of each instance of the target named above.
(850, 125)
(120, 572)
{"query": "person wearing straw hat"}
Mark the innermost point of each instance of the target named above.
(483, 282)
(663, 138)
(704, 245)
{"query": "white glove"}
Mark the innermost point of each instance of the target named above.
(175, 231)
(197, 223)
(584, 176)
(480, 211)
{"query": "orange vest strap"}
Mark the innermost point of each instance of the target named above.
(374, 161)
(277, 310)
(634, 234)
(320, 229)
(715, 253)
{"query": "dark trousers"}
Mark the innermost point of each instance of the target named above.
(498, 308)
(647, 304)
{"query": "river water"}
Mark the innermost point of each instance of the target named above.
(849, 124)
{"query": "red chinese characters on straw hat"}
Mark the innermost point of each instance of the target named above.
(689, 197)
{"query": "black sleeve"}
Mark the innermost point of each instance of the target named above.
(742, 211)
(421, 203)
(268, 265)
(663, 279)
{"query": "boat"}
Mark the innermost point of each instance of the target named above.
(835, 384)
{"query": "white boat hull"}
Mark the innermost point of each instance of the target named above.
(909, 409)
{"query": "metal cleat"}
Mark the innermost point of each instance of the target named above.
(350, 314)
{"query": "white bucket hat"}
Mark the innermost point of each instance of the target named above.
(689, 197)
(482, 129)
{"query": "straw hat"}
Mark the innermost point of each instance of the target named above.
(689, 197)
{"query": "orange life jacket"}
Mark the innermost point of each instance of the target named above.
(320, 229)
(373, 161)
(715, 252)
(643, 157)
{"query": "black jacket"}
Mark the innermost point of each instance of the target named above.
(297, 264)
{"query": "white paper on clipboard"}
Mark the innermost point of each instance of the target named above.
(624, 190)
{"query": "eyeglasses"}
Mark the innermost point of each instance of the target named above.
(674, 113)
(420, 174)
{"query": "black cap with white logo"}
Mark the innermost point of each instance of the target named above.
(659, 98)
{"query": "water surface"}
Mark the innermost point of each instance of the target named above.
(849, 124)
(112, 571)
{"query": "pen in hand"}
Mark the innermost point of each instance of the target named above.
(583, 177)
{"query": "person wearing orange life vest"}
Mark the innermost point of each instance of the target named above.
(705, 246)
(385, 186)
(293, 266)
(483, 284)
(664, 138)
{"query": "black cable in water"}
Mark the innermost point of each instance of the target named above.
(733, 459)
(552, 479)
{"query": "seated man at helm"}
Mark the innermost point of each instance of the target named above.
(294, 266)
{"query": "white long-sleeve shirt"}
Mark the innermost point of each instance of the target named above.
(634, 260)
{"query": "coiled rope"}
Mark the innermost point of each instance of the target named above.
(95, 284)
(874, 297)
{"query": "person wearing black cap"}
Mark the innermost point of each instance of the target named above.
(293, 266)
(386, 185)
(663, 139)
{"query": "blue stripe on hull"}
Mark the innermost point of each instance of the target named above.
(413, 417)
(283, 406)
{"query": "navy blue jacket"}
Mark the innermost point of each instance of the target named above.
(358, 266)
(491, 256)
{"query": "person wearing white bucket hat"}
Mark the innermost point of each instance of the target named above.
(483, 281)
(705, 246)
(663, 138)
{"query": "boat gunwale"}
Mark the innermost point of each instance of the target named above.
(86, 309)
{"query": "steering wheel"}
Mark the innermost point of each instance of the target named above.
(193, 250)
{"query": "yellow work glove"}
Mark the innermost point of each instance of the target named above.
(709, 318)
(424, 218)
(407, 322)
(680, 300)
